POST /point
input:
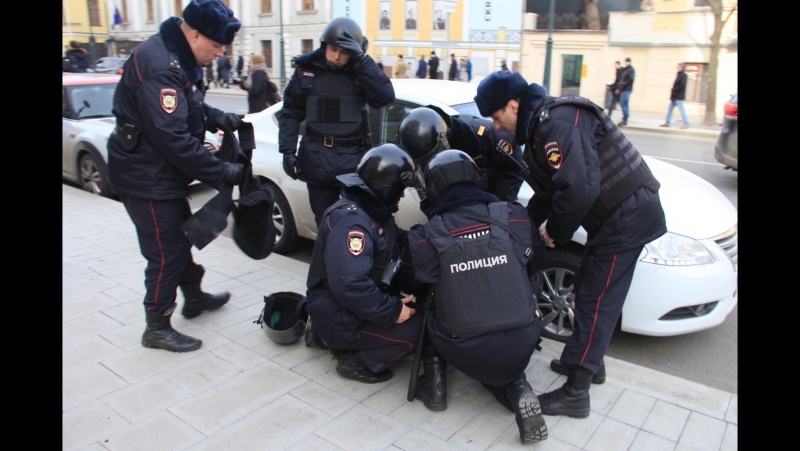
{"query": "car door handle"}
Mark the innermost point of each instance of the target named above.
(71, 134)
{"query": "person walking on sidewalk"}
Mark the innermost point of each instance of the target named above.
(433, 70)
(453, 74)
(224, 70)
(260, 96)
(240, 66)
(676, 98)
(157, 150)
(399, 69)
(624, 89)
(617, 203)
(422, 69)
(612, 96)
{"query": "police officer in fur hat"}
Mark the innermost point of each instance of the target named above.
(617, 203)
(157, 150)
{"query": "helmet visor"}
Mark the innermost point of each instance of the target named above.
(415, 183)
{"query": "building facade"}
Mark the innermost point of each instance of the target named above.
(85, 21)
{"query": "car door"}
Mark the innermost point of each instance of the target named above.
(67, 136)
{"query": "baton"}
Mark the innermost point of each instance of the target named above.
(412, 383)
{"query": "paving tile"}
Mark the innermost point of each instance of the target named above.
(87, 352)
(604, 396)
(162, 431)
(362, 428)
(96, 446)
(88, 326)
(236, 268)
(278, 425)
(702, 432)
(445, 424)
(239, 355)
(128, 312)
(575, 431)
(223, 405)
(646, 441)
(393, 395)
(223, 317)
(296, 354)
(413, 413)
(666, 420)
(539, 375)
(416, 440)
(86, 305)
(141, 363)
(730, 441)
(611, 434)
(128, 337)
(88, 384)
(313, 443)
(257, 276)
(632, 408)
(83, 287)
(484, 428)
(201, 373)
(75, 273)
(510, 441)
(235, 331)
(123, 295)
(145, 398)
(732, 414)
(268, 284)
(246, 295)
(354, 390)
(323, 398)
(89, 423)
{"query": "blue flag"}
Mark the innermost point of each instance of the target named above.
(117, 17)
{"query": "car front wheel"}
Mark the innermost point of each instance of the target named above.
(558, 303)
(93, 176)
(286, 238)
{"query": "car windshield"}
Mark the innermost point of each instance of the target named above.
(470, 108)
(89, 101)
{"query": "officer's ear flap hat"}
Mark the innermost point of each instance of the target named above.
(448, 168)
(212, 19)
(497, 89)
(284, 317)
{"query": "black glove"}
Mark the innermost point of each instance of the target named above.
(348, 42)
(290, 165)
(229, 121)
(234, 173)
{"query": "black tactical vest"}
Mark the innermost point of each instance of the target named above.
(318, 269)
(622, 169)
(334, 102)
(470, 267)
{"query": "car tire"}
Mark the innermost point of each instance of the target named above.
(286, 238)
(93, 176)
(558, 303)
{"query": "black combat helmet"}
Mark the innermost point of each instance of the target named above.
(448, 168)
(335, 28)
(385, 171)
(422, 133)
(283, 319)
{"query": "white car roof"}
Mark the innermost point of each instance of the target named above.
(435, 92)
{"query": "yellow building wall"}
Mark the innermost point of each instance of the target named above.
(77, 12)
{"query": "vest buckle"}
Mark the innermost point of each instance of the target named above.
(327, 141)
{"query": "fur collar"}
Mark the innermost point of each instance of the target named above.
(374, 208)
(458, 195)
(317, 58)
(528, 105)
(175, 41)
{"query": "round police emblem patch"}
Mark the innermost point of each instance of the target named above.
(504, 146)
(169, 100)
(554, 155)
(355, 242)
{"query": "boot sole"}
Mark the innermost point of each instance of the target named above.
(529, 409)
(366, 381)
(146, 345)
(569, 413)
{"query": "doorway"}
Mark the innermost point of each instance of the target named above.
(571, 74)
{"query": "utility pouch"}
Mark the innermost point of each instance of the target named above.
(129, 137)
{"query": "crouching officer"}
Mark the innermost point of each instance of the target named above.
(353, 292)
(476, 251)
(157, 151)
(330, 90)
(425, 131)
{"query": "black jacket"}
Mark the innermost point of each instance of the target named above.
(679, 87)
(433, 70)
(259, 93)
(626, 79)
(453, 69)
(161, 94)
(79, 59)
(617, 79)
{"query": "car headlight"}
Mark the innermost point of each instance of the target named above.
(676, 250)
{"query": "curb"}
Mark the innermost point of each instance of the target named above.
(700, 133)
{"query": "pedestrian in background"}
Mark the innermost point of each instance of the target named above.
(157, 150)
(224, 70)
(209, 74)
(257, 85)
(422, 69)
(399, 67)
(379, 62)
(676, 98)
(434, 66)
(612, 97)
(462, 70)
(453, 74)
(469, 69)
(239, 66)
(503, 67)
(77, 57)
(624, 89)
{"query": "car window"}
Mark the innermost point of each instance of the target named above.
(469, 108)
(99, 100)
(390, 117)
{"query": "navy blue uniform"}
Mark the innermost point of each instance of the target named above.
(161, 94)
(343, 93)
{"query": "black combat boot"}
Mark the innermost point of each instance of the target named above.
(572, 398)
(432, 386)
(196, 301)
(311, 337)
(559, 367)
(352, 366)
(159, 333)
(527, 412)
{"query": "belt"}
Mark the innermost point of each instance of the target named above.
(124, 134)
(330, 141)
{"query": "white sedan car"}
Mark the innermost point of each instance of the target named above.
(684, 282)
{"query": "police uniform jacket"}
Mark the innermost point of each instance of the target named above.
(350, 298)
(568, 140)
(313, 78)
(161, 94)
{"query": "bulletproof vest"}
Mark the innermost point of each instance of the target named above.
(622, 169)
(483, 287)
(318, 269)
(334, 102)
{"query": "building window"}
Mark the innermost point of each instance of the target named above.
(94, 13)
(266, 50)
(307, 45)
(700, 3)
(266, 7)
(696, 82)
(150, 17)
(308, 5)
(124, 11)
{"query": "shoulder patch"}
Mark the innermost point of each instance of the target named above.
(306, 73)
(504, 146)
(555, 157)
(355, 242)
(169, 100)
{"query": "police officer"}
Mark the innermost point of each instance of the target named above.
(157, 150)
(330, 90)
(476, 251)
(425, 131)
(352, 296)
(615, 201)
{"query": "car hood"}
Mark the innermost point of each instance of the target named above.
(693, 207)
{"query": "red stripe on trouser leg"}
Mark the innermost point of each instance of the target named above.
(161, 249)
(597, 309)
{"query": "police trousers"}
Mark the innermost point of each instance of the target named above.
(165, 247)
(381, 349)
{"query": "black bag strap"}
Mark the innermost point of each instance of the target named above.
(480, 217)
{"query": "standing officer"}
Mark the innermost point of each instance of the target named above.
(352, 295)
(330, 89)
(157, 150)
(617, 203)
(476, 251)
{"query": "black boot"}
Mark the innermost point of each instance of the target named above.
(432, 386)
(311, 337)
(196, 301)
(598, 378)
(159, 333)
(572, 398)
(352, 366)
(528, 413)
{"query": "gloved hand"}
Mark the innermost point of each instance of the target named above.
(229, 121)
(348, 42)
(234, 173)
(290, 165)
